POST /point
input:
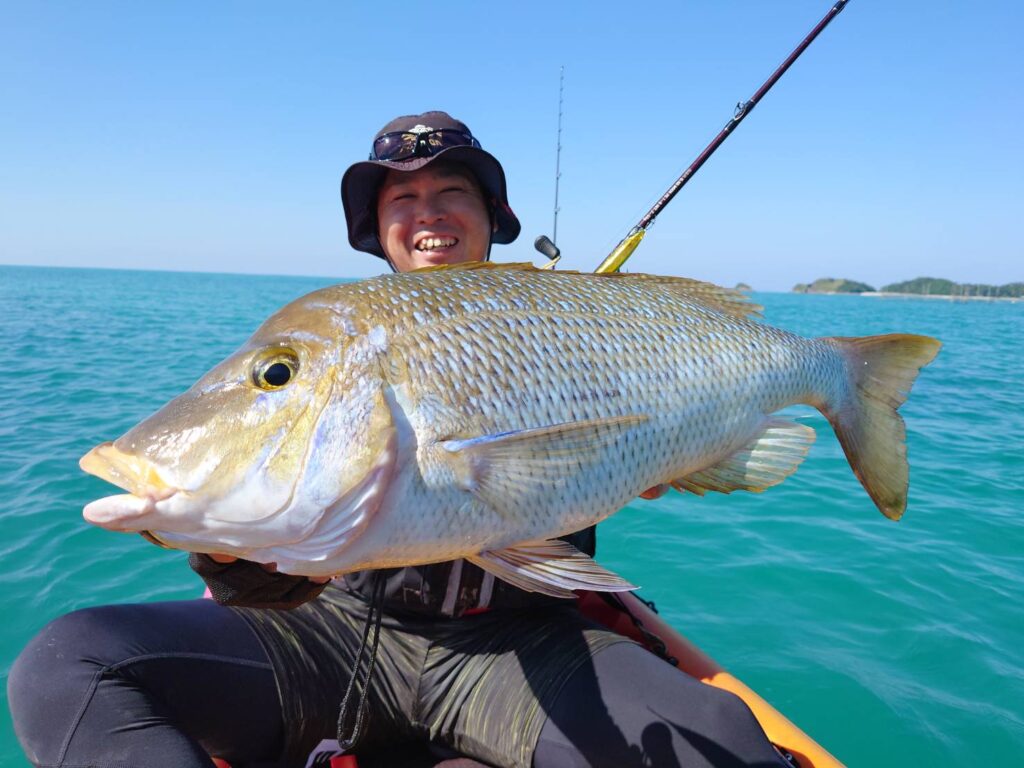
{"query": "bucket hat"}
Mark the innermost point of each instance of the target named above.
(412, 142)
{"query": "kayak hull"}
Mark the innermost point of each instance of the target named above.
(697, 664)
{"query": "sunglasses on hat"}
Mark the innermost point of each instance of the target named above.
(419, 142)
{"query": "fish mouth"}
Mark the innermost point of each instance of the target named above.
(138, 476)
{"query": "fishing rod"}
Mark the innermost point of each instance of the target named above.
(558, 152)
(544, 244)
(614, 261)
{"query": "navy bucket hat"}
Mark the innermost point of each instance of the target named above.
(408, 143)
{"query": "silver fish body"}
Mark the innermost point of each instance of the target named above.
(480, 412)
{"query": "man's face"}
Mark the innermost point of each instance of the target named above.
(435, 215)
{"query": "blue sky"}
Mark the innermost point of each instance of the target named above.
(212, 136)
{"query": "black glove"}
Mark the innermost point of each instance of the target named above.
(245, 584)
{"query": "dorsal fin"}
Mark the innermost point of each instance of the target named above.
(725, 300)
(728, 301)
(521, 266)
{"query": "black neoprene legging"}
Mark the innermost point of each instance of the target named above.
(133, 686)
(167, 684)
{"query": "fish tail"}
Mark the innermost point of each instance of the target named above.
(881, 370)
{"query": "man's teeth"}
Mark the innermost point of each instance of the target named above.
(433, 243)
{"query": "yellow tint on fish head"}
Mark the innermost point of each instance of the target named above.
(236, 440)
(288, 443)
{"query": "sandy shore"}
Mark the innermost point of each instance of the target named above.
(946, 297)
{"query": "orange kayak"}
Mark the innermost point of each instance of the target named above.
(694, 662)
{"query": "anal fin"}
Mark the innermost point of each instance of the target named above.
(765, 461)
(554, 568)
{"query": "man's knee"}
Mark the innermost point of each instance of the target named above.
(725, 707)
(721, 728)
(94, 637)
(51, 677)
(64, 643)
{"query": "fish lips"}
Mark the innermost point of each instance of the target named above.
(146, 488)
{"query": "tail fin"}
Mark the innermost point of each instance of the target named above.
(882, 370)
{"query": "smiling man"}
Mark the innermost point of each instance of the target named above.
(429, 194)
(466, 664)
(436, 215)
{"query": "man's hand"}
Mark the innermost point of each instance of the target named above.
(656, 492)
(218, 557)
(251, 585)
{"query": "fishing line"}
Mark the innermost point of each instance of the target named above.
(374, 615)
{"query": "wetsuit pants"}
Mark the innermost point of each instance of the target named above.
(168, 684)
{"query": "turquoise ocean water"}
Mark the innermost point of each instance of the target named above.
(890, 643)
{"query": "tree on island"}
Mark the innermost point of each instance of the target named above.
(832, 285)
(937, 286)
(929, 286)
(922, 286)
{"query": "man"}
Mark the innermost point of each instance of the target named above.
(466, 665)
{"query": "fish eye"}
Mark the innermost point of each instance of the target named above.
(276, 370)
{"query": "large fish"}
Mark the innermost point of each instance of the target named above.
(480, 412)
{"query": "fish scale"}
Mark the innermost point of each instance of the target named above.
(484, 410)
(540, 392)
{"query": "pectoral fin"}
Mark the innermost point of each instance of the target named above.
(554, 568)
(499, 468)
(765, 461)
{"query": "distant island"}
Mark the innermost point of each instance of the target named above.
(937, 286)
(743, 287)
(921, 286)
(832, 285)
